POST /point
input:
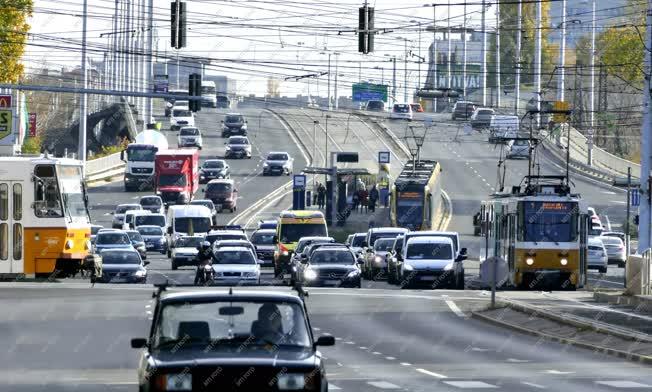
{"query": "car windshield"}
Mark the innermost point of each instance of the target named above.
(230, 324)
(429, 251)
(219, 187)
(262, 238)
(520, 142)
(156, 220)
(189, 132)
(113, 257)
(234, 119)
(172, 180)
(189, 242)
(135, 236)
(141, 154)
(95, 229)
(332, 256)
(234, 257)
(277, 157)
(238, 140)
(292, 232)
(213, 164)
(121, 209)
(182, 113)
(150, 201)
(206, 203)
(194, 224)
(113, 239)
(402, 108)
(383, 244)
(153, 231)
(358, 240)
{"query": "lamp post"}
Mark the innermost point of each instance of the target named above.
(419, 49)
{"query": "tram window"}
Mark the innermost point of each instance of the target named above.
(4, 201)
(18, 241)
(46, 201)
(18, 202)
(4, 241)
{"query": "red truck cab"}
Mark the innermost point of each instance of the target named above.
(176, 175)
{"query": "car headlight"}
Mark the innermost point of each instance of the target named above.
(353, 274)
(265, 164)
(285, 253)
(161, 240)
(448, 267)
(378, 259)
(291, 382)
(228, 147)
(140, 273)
(563, 261)
(408, 267)
(178, 382)
(310, 274)
(250, 274)
(529, 261)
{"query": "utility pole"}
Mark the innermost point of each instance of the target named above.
(498, 92)
(150, 59)
(405, 75)
(84, 98)
(394, 81)
(464, 38)
(592, 94)
(519, 34)
(646, 142)
(419, 79)
(562, 54)
(448, 55)
(337, 57)
(114, 55)
(434, 53)
(484, 53)
(537, 61)
(329, 83)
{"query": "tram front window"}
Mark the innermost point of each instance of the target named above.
(409, 213)
(72, 192)
(549, 222)
(47, 203)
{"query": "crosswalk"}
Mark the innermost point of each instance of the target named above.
(359, 385)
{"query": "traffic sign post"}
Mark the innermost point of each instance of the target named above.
(635, 197)
(383, 157)
(299, 192)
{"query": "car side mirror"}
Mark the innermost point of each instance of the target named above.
(145, 262)
(138, 343)
(463, 251)
(260, 261)
(325, 340)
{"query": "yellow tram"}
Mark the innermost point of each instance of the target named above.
(44, 220)
(540, 235)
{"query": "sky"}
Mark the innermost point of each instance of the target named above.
(251, 41)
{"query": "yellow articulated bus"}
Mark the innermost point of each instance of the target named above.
(44, 220)
(540, 235)
(416, 196)
(292, 225)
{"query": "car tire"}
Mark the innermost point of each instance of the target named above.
(174, 266)
(460, 281)
(602, 270)
(621, 264)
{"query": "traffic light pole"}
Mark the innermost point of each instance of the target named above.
(646, 143)
(83, 101)
(629, 187)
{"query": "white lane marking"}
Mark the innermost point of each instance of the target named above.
(316, 329)
(349, 342)
(390, 358)
(618, 201)
(514, 360)
(557, 372)
(455, 309)
(406, 364)
(470, 384)
(603, 308)
(383, 385)
(362, 348)
(338, 338)
(481, 350)
(332, 387)
(429, 373)
(608, 192)
(623, 384)
(376, 353)
(531, 384)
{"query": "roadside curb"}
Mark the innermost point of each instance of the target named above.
(598, 349)
(628, 300)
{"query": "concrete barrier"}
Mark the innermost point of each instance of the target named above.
(104, 168)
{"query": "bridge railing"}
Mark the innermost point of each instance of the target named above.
(110, 165)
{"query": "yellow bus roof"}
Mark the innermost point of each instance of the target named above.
(302, 214)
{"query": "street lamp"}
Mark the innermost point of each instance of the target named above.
(382, 73)
(419, 55)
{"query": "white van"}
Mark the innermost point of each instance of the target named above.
(187, 220)
(432, 261)
(503, 128)
(128, 224)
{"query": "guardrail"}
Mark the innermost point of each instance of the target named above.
(105, 167)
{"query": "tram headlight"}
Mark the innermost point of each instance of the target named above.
(70, 244)
(563, 261)
(89, 245)
(529, 261)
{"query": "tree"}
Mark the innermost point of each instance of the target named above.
(273, 87)
(13, 36)
(509, 24)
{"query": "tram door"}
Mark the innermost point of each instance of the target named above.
(584, 226)
(11, 227)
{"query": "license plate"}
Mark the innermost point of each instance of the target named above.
(149, 246)
(331, 281)
(118, 280)
(427, 278)
(218, 207)
(287, 276)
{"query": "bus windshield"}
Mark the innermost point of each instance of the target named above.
(197, 224)
(292, 232)
(141, 154)
(548, 221)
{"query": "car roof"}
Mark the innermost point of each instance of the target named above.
(278, 152)
(150, 226)
(150, 197)
(233, 248)
(221, 181)
(215, 160)
(130, 204)
(240, 232)
(188, 210)
(595, 241)
(388, 230)
(234, 114)
(199, 201)
(111, 231)
(315, 238)
(234, 241)
(222, 295)
(610, 238)
(265, 231)
(123, 250)
(430, 239)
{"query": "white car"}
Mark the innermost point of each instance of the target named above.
(185, 251)
(518, 149)
(235, 265)
(130, 218)
(401, 111)
(181, 118)
(190, 137)
(119, 214)
(597, 257)
(152, 203)
(432, 261)
(278, 163)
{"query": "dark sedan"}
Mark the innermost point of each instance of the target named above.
(330, 266)
(204, 340)
(154, 238)
(123, 266)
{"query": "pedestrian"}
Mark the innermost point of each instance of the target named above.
(314, 193)
(356, 201)
(364, 198)
(322, 196)
(373, 197)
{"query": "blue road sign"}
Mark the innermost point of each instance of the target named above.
(383, 157)
(636, 197)
(299, 181)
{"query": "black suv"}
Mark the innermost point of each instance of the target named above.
(204, 340)
(463, 109)
(234, 123)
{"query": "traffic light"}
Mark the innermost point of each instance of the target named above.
(636, 219)
(365, 27)
(178, 36)
(194, 90)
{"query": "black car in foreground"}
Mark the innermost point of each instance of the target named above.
(231, 341)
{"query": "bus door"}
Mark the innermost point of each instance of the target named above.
(584, 225)
(11, 227)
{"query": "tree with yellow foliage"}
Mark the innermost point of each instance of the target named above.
(13, 35)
